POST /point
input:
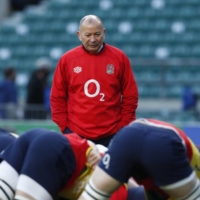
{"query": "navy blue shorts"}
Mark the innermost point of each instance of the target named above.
(43, 155)
(141, 151)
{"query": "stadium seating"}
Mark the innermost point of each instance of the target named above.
(157, 29)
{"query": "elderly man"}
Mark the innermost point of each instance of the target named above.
(94, 93)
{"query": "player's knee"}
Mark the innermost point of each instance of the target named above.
(21, 198)
(24, 189)
(194, 193)
(6, 192)
(93, 193)
(8, 181)
(136, 193)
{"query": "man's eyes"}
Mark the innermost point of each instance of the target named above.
(98, 34)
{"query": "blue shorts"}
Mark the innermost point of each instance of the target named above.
(43, 155)
(146, 152)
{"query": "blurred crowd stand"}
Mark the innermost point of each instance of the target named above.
(4, 9)
(164, 54)
(8, 94)
(9, 6)
(190, 101)
(38, 91)
(18, 5)
(37, 99)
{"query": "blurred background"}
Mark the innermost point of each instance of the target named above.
(160, 37)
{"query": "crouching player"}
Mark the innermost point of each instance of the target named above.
(157, 155)
(45, 165)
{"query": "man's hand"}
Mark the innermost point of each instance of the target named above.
(94, 156)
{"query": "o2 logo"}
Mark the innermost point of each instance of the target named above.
(97, 92)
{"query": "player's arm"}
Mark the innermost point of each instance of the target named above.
(93, 155)
(58, 97)
(130, 191)
(129, 91)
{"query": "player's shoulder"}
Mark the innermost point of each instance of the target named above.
(115, 51)
(73, 53)
(78, 144)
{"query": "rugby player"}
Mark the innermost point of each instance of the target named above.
(45, 165)
(157, 155)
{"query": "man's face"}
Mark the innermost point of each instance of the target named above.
(92, 36)
(13, 76)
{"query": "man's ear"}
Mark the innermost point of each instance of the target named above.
(79, 35)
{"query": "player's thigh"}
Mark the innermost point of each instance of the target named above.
(50, 162)
(122, 155)
(166, 162)
(15, 152)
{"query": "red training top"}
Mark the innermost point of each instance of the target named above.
(93, 94)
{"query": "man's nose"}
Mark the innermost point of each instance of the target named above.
(92, 39)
